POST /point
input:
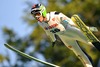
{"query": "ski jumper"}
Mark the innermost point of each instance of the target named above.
(59, 24)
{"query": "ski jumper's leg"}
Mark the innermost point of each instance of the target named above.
(73, 45)
(79, 43)
(70, 38)
(74, 33)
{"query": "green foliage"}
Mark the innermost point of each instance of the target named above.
(2, 58)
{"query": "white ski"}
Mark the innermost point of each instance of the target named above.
(30, 57)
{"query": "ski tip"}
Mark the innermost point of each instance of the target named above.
(74, 15)
(6, 44)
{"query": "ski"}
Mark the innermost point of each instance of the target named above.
(30, 57)
(80, 24)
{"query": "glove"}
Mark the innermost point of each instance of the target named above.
(53, 44)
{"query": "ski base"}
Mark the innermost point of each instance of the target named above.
(80, 24)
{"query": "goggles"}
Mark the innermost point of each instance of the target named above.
(35, 11)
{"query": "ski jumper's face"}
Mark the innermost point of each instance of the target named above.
(39, 17)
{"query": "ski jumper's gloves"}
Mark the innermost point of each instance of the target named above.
(58, 41)
(53, 44)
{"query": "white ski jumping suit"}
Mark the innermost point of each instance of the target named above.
(64, 27)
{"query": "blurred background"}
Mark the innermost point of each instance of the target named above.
(19, 29)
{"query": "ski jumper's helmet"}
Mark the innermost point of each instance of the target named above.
(38, 8)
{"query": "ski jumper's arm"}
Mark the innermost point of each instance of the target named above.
(51, 35)
(65, 20)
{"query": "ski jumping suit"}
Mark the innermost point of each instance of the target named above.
(59, 24)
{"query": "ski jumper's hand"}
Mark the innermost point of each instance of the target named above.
(53, 44)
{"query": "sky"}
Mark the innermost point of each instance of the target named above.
(11, 17)
(11, 12)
